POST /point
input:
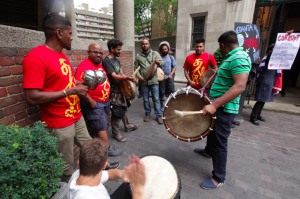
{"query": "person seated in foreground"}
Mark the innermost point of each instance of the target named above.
(87, 181)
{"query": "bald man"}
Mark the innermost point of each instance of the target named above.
(95, 105)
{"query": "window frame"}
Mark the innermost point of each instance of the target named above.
(192, 31)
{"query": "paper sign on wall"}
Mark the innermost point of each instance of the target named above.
(285, 51)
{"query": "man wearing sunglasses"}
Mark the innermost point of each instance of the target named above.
(95, 105)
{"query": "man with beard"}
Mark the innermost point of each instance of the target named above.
(96, 103)
(230, 82)
(48, 81)
(112, 67)
(198, 63)
(166, 87)
(144, 60)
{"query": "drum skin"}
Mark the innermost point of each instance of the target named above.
(191, 127)
(128, 89)
(151, 71)
(206, 76)
(162, 178)
(160, 74)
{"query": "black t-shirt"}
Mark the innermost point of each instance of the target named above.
(111, 65)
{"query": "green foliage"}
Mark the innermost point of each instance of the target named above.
(219, 57)
(142, 17)
(30, 165)
(165, 11)
(146, 11)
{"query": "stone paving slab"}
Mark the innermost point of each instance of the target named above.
(276, 107)
(263, 162)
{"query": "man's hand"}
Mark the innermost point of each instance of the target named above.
(209, 109)
(81, 90)
(290, 31)
(93, 104)
(192, 83)
(141, 79)
(93, 87)
(169, 77)
(130, 78)
(156, 60)
(136, 172)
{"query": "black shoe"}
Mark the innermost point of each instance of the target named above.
(261, 118)
(113, 165)
(254, 121)
(140, 95)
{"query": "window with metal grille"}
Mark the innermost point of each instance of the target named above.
(197, 30)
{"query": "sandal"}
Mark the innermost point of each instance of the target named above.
(132, 128)
(121, 139)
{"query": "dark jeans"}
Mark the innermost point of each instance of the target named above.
(256, 111)
(155, 98)
(122, 192)
(216, 145)
(166, 87)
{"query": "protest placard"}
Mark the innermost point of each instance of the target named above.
(249, 38)
(285, 51)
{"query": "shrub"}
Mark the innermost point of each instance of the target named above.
(30, 165)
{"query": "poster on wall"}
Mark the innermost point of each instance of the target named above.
(285, 51)
(249, 38)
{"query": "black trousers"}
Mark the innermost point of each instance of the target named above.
(256, 111)
(166, 87)
(122, 192)
(216, 145)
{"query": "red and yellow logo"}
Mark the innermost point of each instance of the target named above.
(198, 71)
(73, 100)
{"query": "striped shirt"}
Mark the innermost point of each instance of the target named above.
(235, 62)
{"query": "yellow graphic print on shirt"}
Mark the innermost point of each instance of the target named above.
(73, 100)
(106, 89)
(198, 71)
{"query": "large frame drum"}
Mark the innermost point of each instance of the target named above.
(192, 127)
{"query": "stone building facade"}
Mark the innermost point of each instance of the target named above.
(208, 19)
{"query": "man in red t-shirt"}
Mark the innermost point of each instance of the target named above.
(48, 81)
(95, 104)
(197, 64)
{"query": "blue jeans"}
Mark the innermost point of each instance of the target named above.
(155, 98)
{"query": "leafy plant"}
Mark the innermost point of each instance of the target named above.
(30, 165)
(219, 57)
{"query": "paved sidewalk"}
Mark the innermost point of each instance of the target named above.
(263, 162)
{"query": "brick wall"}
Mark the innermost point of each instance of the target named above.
(13, 107)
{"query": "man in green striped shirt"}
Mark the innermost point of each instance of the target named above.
(226, 90)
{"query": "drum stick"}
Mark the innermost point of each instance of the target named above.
(185, 113)
(137, 70)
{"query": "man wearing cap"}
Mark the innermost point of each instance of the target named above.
(166, 87)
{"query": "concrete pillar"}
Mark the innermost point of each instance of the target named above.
(124, 21)
(70, 15)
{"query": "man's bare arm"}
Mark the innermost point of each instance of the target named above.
(239, 86)
(37, 96)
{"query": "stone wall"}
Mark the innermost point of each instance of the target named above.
(220, 16)
(15, 43)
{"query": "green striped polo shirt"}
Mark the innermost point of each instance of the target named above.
(235, 62)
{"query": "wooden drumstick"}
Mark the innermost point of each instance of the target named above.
(137, 70)
(185, 113)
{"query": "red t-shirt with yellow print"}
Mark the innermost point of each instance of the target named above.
(101, 93)
(198, 65)
(48, 71)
